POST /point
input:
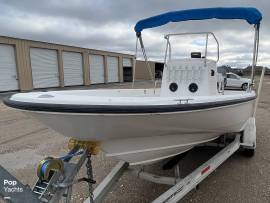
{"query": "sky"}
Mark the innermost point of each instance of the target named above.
(109, 25)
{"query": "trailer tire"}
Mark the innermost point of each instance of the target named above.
(249, 152)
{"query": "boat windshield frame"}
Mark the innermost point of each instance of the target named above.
(169, 50)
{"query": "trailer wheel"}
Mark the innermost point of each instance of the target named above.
(249, 152)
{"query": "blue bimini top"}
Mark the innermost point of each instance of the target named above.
(251, 15)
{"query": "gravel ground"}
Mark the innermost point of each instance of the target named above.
(24, 141)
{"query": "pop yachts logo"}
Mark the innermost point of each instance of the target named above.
(11, 186)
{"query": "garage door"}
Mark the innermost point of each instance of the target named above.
(44, 65)
(8, 71)
(96, 69)
(73, 69)
(112, 64)
(127, 62)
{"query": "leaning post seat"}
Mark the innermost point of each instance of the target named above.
(189, 77)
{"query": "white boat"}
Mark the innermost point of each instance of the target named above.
(142, 126)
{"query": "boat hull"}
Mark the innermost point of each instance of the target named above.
(147, 137)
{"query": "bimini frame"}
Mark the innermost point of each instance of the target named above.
(168, 50)
(255, 51)
(251, 15)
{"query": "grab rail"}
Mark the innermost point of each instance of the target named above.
(191, 33)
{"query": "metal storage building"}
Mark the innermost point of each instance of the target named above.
(8, 67)
(97, 69)
(44, 66)
(73, 68)
(27, 64)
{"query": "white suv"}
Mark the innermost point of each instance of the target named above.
(233, 80)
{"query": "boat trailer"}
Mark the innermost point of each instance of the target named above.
(57, 175)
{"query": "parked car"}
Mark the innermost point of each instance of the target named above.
(234, 80)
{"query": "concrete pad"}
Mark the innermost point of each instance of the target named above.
(20, 159)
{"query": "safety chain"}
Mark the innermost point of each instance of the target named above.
(90, 177)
